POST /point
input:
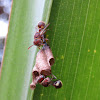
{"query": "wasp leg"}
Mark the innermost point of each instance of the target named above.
(46, 39)
(45, 31)
(53, 76)
(42, 32)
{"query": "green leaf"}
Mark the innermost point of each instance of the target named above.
(74, 38)
(18, 61)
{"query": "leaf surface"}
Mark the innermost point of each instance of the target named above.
(74, 38)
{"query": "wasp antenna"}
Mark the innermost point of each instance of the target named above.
(53, 76)
(44, 29)
(30, 47)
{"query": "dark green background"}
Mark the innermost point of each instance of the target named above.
(74, 37)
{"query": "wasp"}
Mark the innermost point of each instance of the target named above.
(47, 81)
(39, 35)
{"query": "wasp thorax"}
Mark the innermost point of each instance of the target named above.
(37, 35)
